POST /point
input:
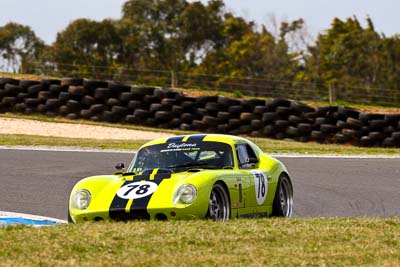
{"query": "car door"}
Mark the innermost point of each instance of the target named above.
(257, 182)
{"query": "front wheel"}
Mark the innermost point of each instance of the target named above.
(283, 201)
(219, 204)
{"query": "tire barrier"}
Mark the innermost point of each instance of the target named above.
(109, 101)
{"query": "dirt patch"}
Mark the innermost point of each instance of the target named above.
(32, 127)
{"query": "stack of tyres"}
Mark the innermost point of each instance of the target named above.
(110, 101)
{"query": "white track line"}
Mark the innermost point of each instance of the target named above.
(6, 214)
(277, 155)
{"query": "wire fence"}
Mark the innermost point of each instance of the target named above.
(303, 91)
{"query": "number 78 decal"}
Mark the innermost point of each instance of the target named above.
(261, 186)
(137, 190)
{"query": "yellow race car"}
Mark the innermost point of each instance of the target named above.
(190, 176)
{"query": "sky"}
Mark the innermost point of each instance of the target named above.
(47, 17)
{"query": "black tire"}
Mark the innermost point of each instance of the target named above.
(348, 112)
(219, 208)
(260, 110)
(295, 119)
(141, 114)
(187, 118)
(281, 124)
(134, 104)
(72, 116)
(318, 135)
(44, 95)
(31, 102)
(53, 103)
(283, 200)
(97, 108)
(226, 101)
(377, 124)
(247, 116)
(256, 124)
(87, 100)
(34, 89)
(235, 109)
(142, 91)
(27, 83)
(69, 216)
(304, 128)
(251, 103)
(177, 110)
(3, 81)
(301, 108)
(125, 97)
(223, 115)
(354, 123)
(117, 88)
(280, 103)
(211, 121)
(163, 116)
(328, 128)
(72, 81)
(270, 117)
(9, 101)
(102, 93)
(292, 131)
(91, 85)
(341, 138)
(283, 111)
(64, 96)
(13, 90)
(269, 130)
(73, 105)
(55, 89)
(120, 110)
(365, 117)
(113, 102)
(155, 107)
(49, 82)
(86, 113)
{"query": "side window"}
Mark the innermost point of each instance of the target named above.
(243, 157)
(244, 154)
(251, 152)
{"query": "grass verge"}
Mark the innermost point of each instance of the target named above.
(267, 145)
(261, 242)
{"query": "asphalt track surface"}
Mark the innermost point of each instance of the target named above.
(39, 182)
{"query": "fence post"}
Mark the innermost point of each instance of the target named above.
(332, 95)
(174, 79)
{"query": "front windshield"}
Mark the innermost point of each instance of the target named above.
(182, 156)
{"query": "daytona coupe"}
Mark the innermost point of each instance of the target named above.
(192, 176)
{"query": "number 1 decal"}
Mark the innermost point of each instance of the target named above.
(261, 186)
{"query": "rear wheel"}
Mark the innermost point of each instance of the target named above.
(283, 201)
(219, 205)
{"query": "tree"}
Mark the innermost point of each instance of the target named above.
(347, 53)
(87, 42)
(19, 47)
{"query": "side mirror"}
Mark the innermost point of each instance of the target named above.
(120, 167)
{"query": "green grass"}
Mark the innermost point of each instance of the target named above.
(261, 242)
(268, 145)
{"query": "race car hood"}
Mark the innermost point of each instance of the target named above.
(131, 194)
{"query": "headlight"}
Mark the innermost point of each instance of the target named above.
(81, 199)
(187, 193)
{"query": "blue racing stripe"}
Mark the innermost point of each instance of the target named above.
(15, 221)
